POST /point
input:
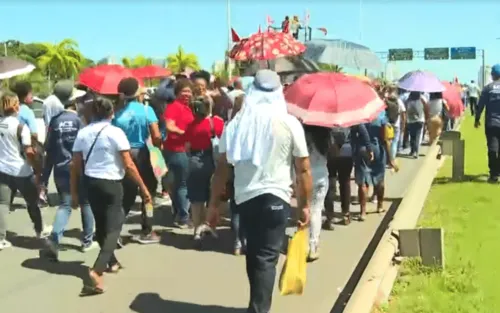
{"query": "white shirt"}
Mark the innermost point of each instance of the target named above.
(402, 108)
(473, 91)
(104, 161)
(51, 107)
(319, 169)
(275, 175)
(11, 147)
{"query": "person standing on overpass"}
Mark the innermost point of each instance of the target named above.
(473, 96)
(490, 102)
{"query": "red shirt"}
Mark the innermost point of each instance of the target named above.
(199, 132)
(182, 116)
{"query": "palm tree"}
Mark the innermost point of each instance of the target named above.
(61, 60)
(138, 61)
(330, 68)
(181, 60)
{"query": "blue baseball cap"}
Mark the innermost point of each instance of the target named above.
(495, 70)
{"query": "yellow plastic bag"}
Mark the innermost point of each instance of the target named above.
(293, 273)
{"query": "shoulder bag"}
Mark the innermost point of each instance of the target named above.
(155, 156)
(214, 140)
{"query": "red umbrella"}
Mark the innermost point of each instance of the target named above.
(266, 46)
(151, 71)
(454, 99)
(104, 79)
(333, 99)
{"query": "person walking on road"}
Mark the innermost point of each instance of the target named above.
(103, 152)
(62, 131)
(265, 144)
(416, 113)
(490, 102)
(138, 122)
(473, 95)
(18, 167)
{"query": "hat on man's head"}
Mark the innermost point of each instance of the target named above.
(267, 80)
(495, 70)
(66, 92)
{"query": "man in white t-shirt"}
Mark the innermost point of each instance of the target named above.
(266, 145)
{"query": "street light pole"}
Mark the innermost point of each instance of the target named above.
(5, 48)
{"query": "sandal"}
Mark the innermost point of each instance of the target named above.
(381, 210)
(115, 268)
(347, 219)
(91, 289)
(362, 217)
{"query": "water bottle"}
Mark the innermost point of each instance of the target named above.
(149, 209)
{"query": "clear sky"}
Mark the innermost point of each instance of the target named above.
(156, 27)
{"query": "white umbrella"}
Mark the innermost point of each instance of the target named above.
(343, 53)
(10, 67)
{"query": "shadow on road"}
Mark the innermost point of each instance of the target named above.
(184, 241)
(25, 242)
(152, 303)
(73, 268)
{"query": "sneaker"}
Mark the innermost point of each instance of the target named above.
(45, 232)
(119, 243)
(89, 246)
(328, 224)
(150, 238)
(184, 225)
(493, 179)
(4, 244)
(313, 253)
(133, 213)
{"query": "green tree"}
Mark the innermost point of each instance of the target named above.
(179, 61)
(330, 68)
(136, 62)
(61, 60)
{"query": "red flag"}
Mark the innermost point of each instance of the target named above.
(234, 36)
(269, 21)
(324, 30)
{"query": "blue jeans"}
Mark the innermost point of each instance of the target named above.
(415, 130)
(239, 233)
(178, 166)
(62, 216)
(395, 142)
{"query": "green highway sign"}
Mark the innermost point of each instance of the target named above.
(400, 54)
(436, 53)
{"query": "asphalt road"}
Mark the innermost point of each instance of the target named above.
(172, 277)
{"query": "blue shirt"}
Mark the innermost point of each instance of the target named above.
(27, 117)
(375, 129)
(134, 119)
(61, 136)
(490, 102)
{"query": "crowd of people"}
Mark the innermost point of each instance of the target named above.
(221, 143)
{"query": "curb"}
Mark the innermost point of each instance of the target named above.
(376, 282)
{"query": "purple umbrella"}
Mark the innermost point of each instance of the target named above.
(421, 81)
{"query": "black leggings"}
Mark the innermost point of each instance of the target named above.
(339, 169)
(142, 161)
(105, 198)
